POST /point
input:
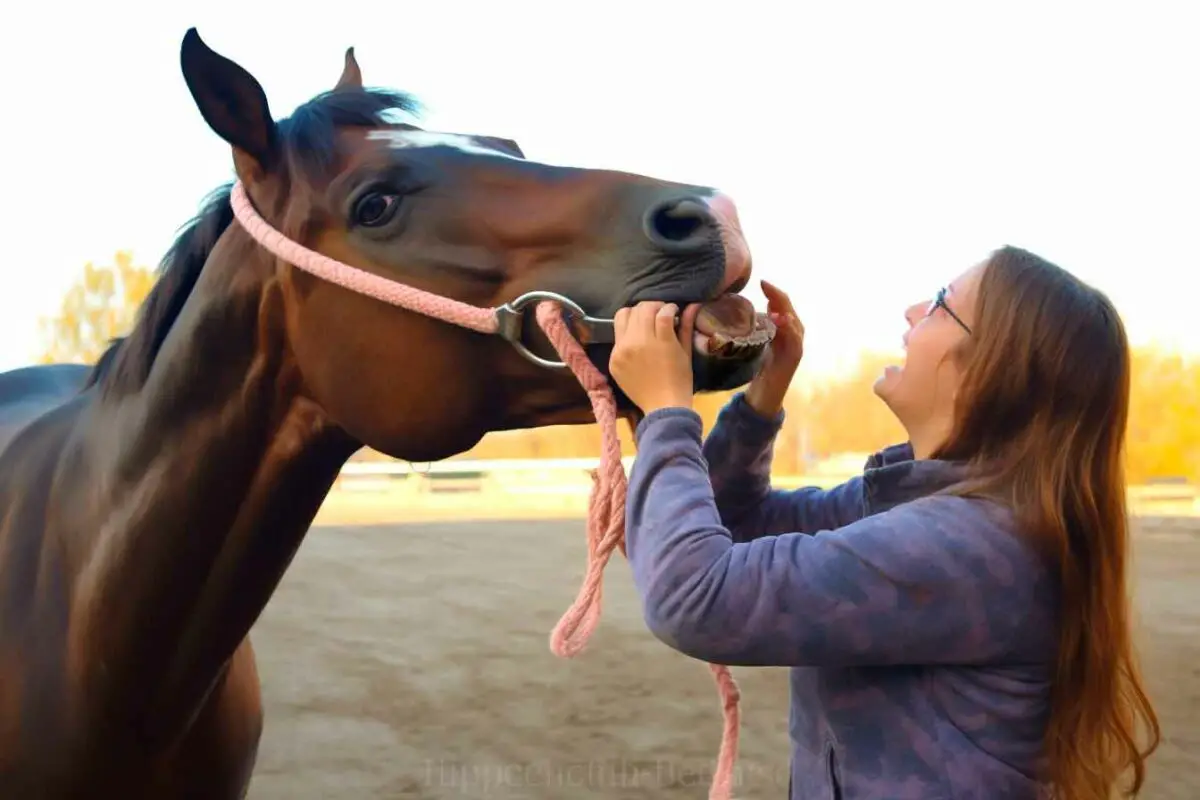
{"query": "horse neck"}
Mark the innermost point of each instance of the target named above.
(204, 482)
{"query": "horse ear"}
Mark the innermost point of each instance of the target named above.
(351, 74)
(231, 101)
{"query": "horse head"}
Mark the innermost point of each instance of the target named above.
(467, 217)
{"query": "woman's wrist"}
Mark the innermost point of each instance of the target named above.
(765, 399)
(668, 400)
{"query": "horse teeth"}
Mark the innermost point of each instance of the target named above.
(721, 345)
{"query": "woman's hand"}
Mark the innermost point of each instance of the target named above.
(651, 361)
(767, 391)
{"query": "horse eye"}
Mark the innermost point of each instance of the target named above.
(376, 208)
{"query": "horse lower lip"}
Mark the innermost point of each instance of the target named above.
(729, 315)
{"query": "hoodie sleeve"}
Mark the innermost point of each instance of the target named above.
(738, 453)
(936, 580)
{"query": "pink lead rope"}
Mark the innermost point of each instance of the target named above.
(606, 503)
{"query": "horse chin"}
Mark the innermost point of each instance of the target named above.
(714, 373)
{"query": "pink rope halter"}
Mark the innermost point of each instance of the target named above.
(606, 503)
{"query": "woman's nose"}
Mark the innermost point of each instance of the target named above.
(913, 313)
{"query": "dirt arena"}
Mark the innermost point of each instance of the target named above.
(412, 662)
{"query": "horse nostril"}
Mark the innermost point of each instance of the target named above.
(680, 225)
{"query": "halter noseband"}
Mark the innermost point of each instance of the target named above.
(506, 321)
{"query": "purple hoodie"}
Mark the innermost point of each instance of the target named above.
(920, 629)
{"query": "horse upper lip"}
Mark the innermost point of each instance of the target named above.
(741, 282)
(734, 287)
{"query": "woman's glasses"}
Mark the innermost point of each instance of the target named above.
(940, 302)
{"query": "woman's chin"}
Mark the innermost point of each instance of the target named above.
(883, 384)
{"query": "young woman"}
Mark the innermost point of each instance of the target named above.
(956, 617)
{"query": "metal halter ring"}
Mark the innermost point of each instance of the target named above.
(588, 330)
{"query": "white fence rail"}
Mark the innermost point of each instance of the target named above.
(564, 476)
(460, 466)
(572, 476)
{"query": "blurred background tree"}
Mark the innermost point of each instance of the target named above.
(1163, 437)
(101, 304)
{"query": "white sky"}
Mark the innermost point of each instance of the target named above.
(875, 149)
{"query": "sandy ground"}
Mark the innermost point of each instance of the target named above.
(412, 662)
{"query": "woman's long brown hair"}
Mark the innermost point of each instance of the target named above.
(1041, 417)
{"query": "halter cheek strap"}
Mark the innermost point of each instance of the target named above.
(606, 503)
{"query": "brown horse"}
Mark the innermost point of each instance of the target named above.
(150, 505)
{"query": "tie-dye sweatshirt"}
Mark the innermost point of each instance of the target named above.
(920, 629)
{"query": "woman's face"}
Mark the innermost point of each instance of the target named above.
(921, 392)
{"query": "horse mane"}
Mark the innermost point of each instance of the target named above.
(309, 144)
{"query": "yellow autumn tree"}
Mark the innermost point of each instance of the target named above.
(1163, 440)
(845, 415)
(1163, 436)
(101, 304)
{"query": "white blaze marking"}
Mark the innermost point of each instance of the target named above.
(399, 139)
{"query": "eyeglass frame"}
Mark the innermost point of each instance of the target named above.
(939, 301)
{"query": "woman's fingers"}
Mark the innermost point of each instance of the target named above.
(664, 321)
(777, 299)
(620, 322)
